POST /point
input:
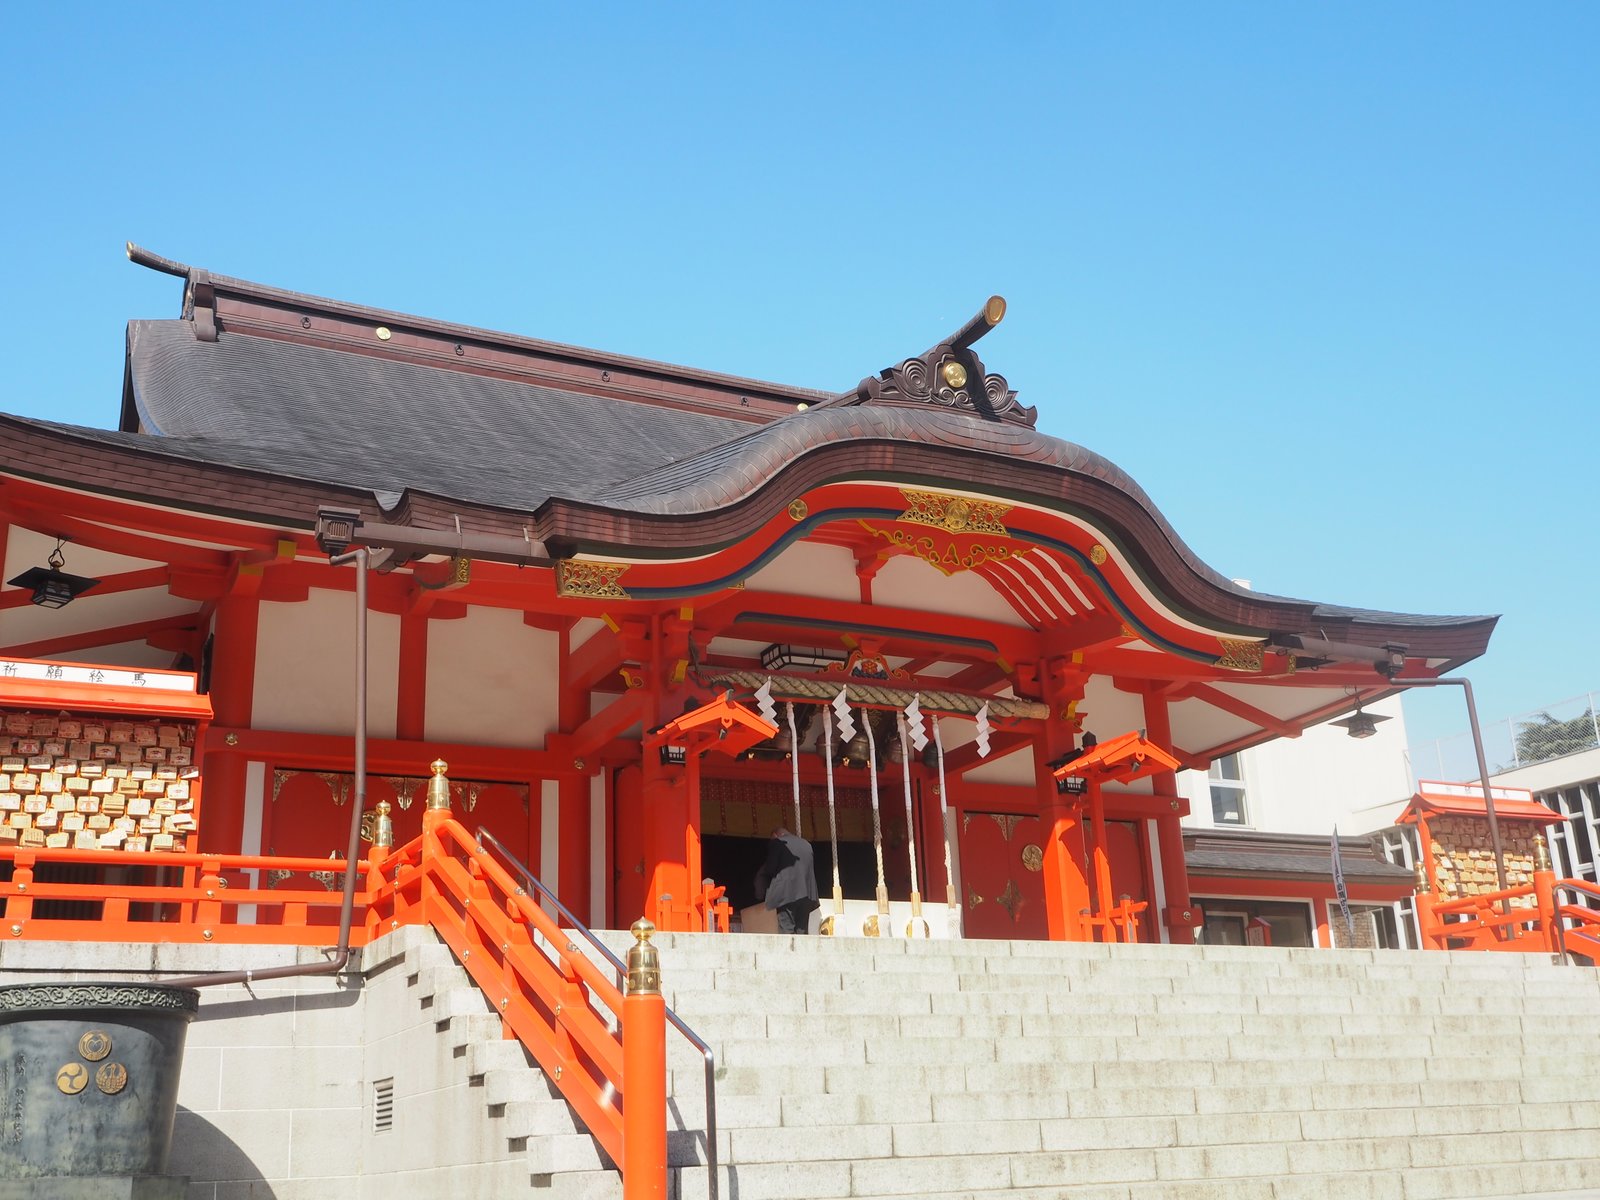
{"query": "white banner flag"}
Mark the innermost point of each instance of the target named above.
(914, 724)
(765, 705)
(841, 709)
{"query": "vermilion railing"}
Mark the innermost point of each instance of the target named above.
(159, 897)
(566, 1010)
(1495, 921)
(543, 987)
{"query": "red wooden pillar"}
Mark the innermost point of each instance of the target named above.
(411, 702)
(572, 802)
(666, 816)
(1066, 883)
(1179, 916)
(233, 683)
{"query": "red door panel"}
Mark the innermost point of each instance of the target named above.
(1000, 860)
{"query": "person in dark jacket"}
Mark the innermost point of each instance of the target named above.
(787, 881)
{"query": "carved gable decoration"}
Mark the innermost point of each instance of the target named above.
(949, 376)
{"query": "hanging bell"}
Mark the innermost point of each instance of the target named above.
(857, 750)
(781, 742)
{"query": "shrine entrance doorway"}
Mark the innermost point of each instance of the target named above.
(1001, 860)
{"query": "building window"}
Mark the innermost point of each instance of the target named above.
(1227, 792)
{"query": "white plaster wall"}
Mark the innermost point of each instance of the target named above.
(1109, 712)
(1014, 768)
(491, 680)
(306, 662)
(807, 569)
(905, 581)
(1322, 778)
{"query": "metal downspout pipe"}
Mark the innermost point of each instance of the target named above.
(341, 955)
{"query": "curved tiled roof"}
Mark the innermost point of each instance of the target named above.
(595, 454)
(389, 426)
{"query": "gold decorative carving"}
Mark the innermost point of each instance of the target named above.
(798, 510)
(1008, 823)
(590, 580)
(111, 1078)
(1239, 655)
(1097, 554)
(95, 1045)
(72, 1078)
(954, 514)
(336, 786)
(973, 899)
(825, 927)
(911, 928)
(869, 927)
(1033, 857)
(946, 553)
(1011, 899)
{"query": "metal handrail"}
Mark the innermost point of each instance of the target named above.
(1587, 924)
(621, 968)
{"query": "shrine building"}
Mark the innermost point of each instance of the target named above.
(646, 614)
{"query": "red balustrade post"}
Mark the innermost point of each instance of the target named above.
(434, 815)
(382, 834)
(19, 905)
(1544, 894)
(644, 1073)
(1427, 922)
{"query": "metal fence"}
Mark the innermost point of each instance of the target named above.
(1566, 727)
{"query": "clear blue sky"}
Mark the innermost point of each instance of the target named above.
(1322, 278)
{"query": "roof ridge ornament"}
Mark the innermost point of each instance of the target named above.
(949, 375)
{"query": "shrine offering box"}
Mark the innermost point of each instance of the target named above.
(72, 733)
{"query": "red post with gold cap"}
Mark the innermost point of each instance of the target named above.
(644, 1072)
(1544, 895)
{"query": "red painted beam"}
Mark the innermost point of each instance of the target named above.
(88, 639)
(1217, 698)
(151, 520)
(127, 581)
(119, 541)
(1001, 743)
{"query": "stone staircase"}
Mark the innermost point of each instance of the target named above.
(1019, 1071)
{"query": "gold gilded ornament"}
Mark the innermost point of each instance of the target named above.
(1011, 899)
(111, 1078)
(945, 553)
(1032, 857)
(1239, 655)
(870, 926)
(1008, 823)
(1097, 554)
(95, 1045)
(954, 514)
(798, 510)
(72, 1078)
(590, 580)
(955, 375)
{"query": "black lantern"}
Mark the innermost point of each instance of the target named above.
(1360, 724)
(1072, 785)
(52, 587)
